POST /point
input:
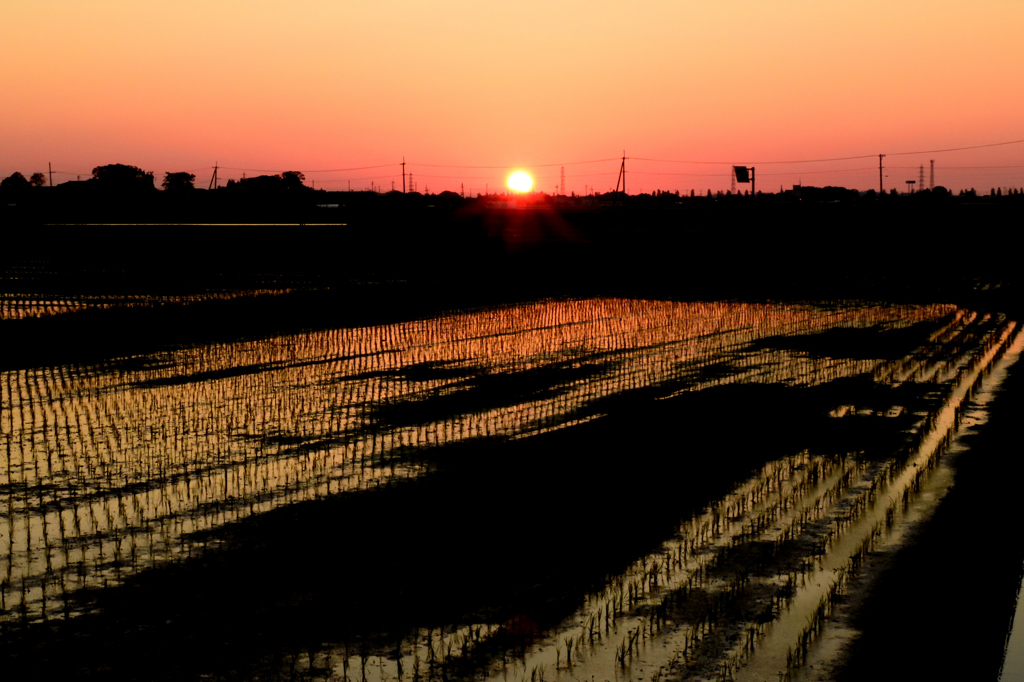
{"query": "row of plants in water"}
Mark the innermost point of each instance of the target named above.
(114, 467)
(744, 587)
(28, 306)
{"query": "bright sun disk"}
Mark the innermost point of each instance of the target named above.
(520, 181)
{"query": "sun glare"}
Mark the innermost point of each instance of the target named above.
(520, 181)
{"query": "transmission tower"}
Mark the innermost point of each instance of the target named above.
(732, 177)
(561, 189)
(931, 175)
(920, 178)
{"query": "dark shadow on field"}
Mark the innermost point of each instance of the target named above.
(943, 605)
(502, 532)
(485, 391)
(877, 341)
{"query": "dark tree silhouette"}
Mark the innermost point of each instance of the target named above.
(37, 180)
(120, 176)
(258, 183)
(177, 182)
(266, 185)
(14, 182)
(293, 179)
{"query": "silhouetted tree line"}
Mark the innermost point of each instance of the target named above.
(129, 193)
(16, 182)
(178, 182)
(288, 181)
(118, 176)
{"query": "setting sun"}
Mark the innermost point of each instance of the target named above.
(520, 181)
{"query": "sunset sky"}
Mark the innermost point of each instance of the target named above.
(317, 85)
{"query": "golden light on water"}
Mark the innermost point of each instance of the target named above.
(520, 181)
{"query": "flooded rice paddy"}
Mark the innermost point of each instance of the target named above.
(22, 306)
(114, 469)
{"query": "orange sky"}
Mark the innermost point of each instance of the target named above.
(325, 84)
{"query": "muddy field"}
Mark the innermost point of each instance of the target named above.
(564, 489)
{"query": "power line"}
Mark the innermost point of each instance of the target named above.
(944, 167)
(326, 170)
(463, 177)
(502, 177)
(960, 149)
(834, 170)
(729, 163)
(835, 158)
(368, 177)
(699, 175)
(527, 165)
(723, 174)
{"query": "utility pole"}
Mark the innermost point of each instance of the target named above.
(213, 180)
(49, 166)
(622, 179)
(622, 174)
(881, 187)
(403, 175)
